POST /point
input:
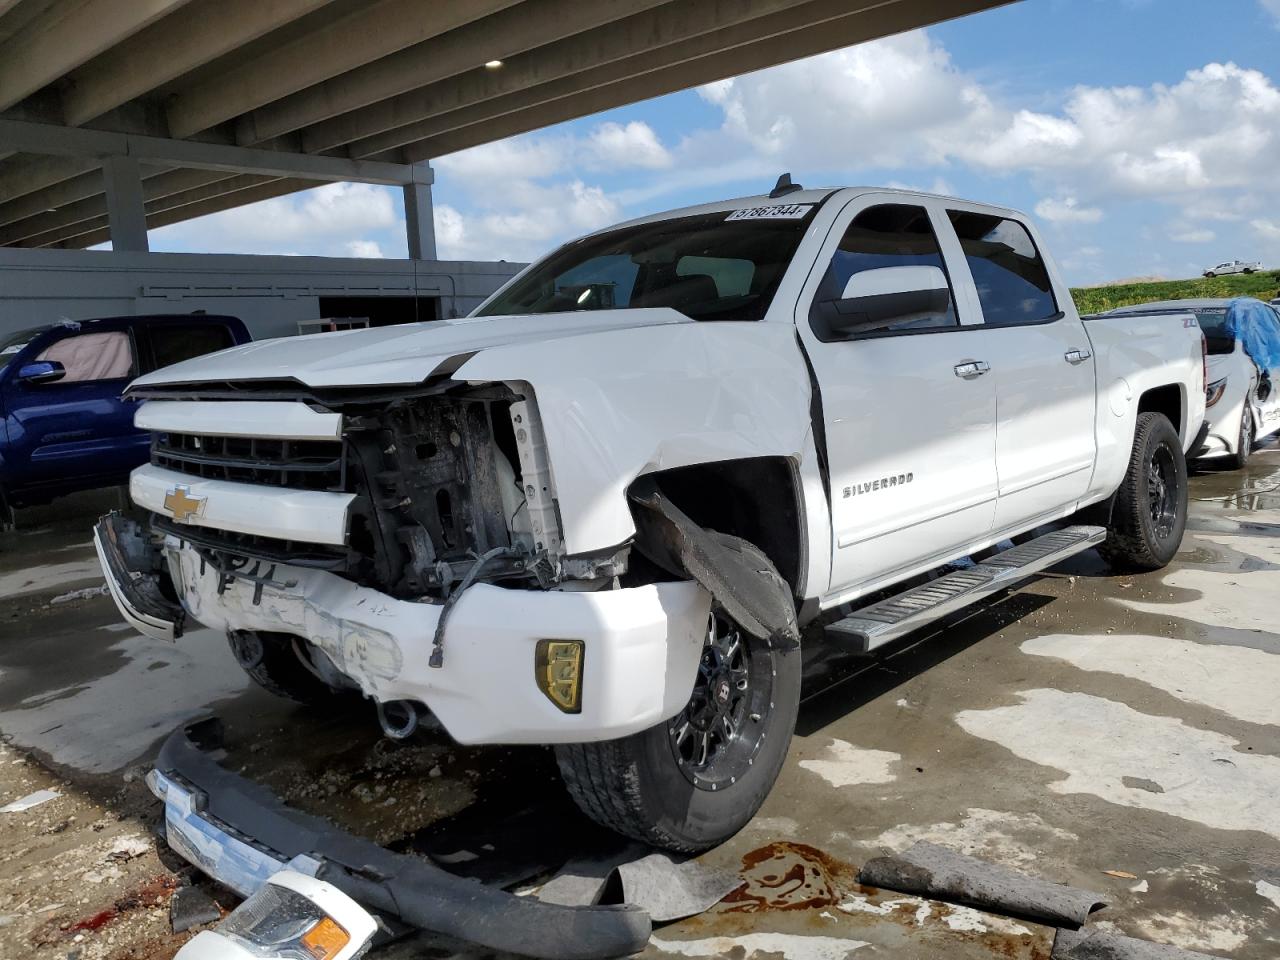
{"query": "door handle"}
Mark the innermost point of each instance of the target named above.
(970, 369)
(1076, 356)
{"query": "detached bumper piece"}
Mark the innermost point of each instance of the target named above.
(240, 833)
(133, 571)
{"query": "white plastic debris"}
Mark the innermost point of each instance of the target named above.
(30, 800)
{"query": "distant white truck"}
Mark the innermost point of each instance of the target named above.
(1232, 266)
(597, 512)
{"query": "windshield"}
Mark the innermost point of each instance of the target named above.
(717, 266)
(11, 344)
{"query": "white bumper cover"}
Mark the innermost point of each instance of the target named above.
(641, 647)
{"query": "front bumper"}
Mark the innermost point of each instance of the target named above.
(641, 644)
(239, 833)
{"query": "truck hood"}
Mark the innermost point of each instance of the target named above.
(398, 355)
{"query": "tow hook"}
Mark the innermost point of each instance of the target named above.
(398, 718)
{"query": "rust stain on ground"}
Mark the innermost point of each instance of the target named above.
(788, 876)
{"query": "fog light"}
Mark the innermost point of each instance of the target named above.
(557, 670)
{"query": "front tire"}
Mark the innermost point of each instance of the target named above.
(1245, 439)
(694, 781)
(1150, 511)
(272, 662)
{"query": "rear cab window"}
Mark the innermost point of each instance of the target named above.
(166, 342)
(1010, 275)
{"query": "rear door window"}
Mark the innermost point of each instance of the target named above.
(171, 342)
(1011, 276)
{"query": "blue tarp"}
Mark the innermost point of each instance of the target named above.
(1256, 325)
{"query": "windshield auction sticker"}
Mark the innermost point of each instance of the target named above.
(777, 211)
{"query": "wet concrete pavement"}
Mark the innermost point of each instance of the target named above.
(1085, 723)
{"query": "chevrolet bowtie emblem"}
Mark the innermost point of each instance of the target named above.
(183, 506)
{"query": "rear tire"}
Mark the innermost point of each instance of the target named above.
(1150, 511)
(272, 663)
(686, 785)
(1245, 439)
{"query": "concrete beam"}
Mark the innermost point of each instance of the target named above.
(803, 41)
(419, 220)
(47, 49)
(45, 138)
(252, 194)
(15, 16)
(516, 30)
(174, 46)
(365, 35)
(126, 215)
(92, 206)
(645, 43)
(22, 176)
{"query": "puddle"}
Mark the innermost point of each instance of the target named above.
(105, 724)
(1096, 743)
(1238, 681)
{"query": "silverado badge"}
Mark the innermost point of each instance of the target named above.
(183, 506)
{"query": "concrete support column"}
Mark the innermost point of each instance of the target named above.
(126, 215)
(419, 220)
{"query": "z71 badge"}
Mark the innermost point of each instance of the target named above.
(858, 489)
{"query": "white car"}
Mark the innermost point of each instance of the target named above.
(1242, 398)
(597, 512)
(1232, 266)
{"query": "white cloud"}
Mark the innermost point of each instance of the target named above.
(633, 145)
(1270, 229)
(902, 103)
(1066, 210)
(329, 220)
(364, 248)
(1272, 7)
(1193, 236)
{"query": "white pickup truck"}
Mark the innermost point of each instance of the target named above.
(598, 512)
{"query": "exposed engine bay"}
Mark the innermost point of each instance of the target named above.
(451, 486)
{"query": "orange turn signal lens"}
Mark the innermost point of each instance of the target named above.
(325, 939)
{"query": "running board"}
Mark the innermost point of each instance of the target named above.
(873, 626)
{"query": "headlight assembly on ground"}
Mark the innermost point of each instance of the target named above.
(291, 917)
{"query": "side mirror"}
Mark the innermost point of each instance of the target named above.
(41, 371)
(879, 298)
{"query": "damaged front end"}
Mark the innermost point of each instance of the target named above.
(405, 543)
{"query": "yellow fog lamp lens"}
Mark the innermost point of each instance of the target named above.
(557, 670)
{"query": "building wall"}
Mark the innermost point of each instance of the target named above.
(271, 294)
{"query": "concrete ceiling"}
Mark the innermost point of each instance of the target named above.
(225, 102)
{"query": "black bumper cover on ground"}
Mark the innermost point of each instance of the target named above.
(410, 888)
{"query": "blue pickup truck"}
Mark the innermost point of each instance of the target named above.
(65, 425)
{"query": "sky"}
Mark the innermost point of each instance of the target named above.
(1142, 135)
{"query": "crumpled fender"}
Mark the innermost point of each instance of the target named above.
(737, 574)
(620, 403)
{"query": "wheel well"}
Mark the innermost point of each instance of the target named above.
(1166, 400)
(756, 499)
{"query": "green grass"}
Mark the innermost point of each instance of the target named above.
(1263, 285)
